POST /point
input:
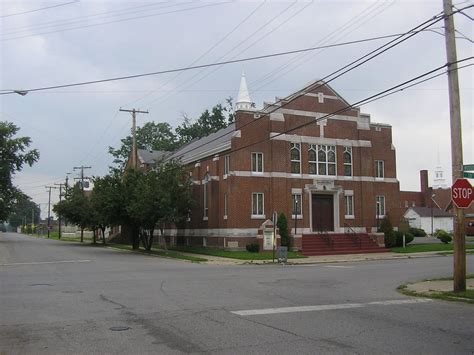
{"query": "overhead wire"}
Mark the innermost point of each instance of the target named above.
(39, 9)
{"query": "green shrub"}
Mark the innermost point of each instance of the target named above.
(399, 238)
(444, 236)
(387, 229)
(252, 247)
(282, 225)
(418, 232)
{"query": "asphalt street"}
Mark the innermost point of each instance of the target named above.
(66, 298)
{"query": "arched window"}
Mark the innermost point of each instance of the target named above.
(347, 161)
(295, 157)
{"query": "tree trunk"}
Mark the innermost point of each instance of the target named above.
(103, 235)
(150, 240)
(94, 236)
(162, 230)
(82, 234)
(135, 238)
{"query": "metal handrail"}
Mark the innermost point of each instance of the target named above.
(356, 240)
(323, 233)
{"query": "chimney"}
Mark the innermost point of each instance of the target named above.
(424, 180)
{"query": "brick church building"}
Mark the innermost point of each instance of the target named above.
(327, 174)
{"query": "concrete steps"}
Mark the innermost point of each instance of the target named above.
(315, 244)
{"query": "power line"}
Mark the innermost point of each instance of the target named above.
(122, 20)
(345, 69)
(40, 9)
(8, 92)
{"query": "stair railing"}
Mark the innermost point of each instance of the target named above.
(355, 237)
(324, 235)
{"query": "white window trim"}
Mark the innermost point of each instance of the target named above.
(315, 147)
(376, 170)
(251, 163)
(345, 164)
(205, 202)
(293, 146)
(350, 194)
(226, 206)
(379, 216)
(226, 166)
(258, 216)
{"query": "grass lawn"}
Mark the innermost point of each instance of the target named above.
(419, 248)
(466, 296)
(66, 238)
(160, 252)
(241, 255)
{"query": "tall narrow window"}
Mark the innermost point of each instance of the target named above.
(257, 204)
(226, 164)
(297, 208)
(295, 156)
(349, 205)
(380, 206)
(312, 159)
(225, 206)
(204, 197)
(347, 157)
(257, 162)
(379, 169)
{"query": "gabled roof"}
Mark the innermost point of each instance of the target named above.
(150, 156)
(426, 212)
(206, 146)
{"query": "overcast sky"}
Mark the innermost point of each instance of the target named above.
(43, 44)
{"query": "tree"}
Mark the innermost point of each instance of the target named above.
(13, 156)
(209, 122)
(387, 229)
(151, 136)
(77, 209)
(282, 224)
(23, 207)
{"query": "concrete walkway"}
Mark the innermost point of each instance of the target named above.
(437, 286)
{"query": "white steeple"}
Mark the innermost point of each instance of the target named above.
(243, 99)
(439, 181)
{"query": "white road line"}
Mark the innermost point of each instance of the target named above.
(48, 262)
(339, 266)
(327, 307)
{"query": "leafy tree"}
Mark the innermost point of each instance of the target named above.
(13, 156)
(77, 209)
(22, 207)
(151, 136)
(387, 229)
(209, 122)
(282, 224)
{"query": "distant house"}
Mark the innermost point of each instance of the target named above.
(429, 219)
(146, 159)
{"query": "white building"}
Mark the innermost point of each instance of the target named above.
(425, 217)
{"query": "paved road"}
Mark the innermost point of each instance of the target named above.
(58, 298)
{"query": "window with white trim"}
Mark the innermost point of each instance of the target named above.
(225, 205)
(257, 162)
(322, 159)
(347, 158)
(296, 199)
(257, 204)
(204, 196)
(349, 205)
(380, 206)
(295, 157)
(226, 164)
(379, 169)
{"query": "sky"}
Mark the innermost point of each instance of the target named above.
(46, 43)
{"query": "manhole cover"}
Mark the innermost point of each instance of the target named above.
(119, 328)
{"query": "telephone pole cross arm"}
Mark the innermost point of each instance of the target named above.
(134, 136)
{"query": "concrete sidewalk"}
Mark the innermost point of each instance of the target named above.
(433, 286)
(217, 260)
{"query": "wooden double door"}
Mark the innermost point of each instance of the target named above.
(322, 212)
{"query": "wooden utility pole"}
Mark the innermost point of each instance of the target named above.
(82, 167)
(459, 274)
(59, 216)
(49, 207)
(134, 137)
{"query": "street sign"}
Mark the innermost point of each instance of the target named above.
(468, 175)
(462, 193)
(468, 167)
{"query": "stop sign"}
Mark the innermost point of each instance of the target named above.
(462, 193)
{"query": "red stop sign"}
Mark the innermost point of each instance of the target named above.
(462, 193)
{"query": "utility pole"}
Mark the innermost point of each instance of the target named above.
(134, 138)
(60, 198)
(82, 167)
(459, 273)
(49, 206)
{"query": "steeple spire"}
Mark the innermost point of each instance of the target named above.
(243, 99)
